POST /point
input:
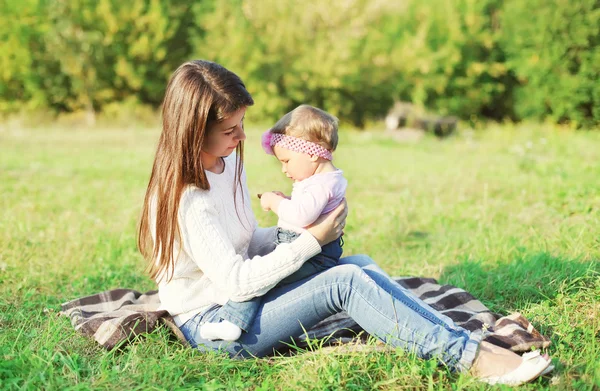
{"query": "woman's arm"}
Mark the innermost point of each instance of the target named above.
(207, 243)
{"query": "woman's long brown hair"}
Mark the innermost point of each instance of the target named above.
(198, 94)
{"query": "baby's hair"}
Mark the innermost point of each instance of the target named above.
(311, 124)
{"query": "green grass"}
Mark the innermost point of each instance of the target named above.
(511, 214)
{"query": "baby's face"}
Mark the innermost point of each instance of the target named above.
(295, 165)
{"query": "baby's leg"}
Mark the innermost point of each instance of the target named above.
(235, 317)
(326, 259)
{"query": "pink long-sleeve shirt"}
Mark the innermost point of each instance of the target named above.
(310, 198)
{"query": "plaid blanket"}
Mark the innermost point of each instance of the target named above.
(116, 316)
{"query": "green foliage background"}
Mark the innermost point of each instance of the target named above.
(471, 58)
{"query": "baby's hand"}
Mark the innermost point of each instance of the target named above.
(268, 199)
(280, 194)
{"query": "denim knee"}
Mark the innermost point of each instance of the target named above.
(347, 273)
(347, 269)
(361, 260)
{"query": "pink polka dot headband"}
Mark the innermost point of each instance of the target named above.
(269, 140)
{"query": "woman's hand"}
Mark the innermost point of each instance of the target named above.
(330, 226)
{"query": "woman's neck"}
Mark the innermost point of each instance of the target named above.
(214, 164)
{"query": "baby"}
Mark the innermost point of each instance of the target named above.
(303, 141)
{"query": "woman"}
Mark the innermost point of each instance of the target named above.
(199, 232)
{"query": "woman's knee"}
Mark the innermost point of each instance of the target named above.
(346, 269)
(360, 260)
(348, 275)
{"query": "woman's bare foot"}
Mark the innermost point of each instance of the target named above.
(496, 365)
(493, 360)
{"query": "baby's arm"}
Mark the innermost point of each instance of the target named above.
(271, 200)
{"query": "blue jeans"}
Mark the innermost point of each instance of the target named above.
(242, 314)
(358, 286)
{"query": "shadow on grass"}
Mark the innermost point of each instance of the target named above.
(525, 280)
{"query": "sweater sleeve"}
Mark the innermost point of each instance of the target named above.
(207, 243)
(304, 208)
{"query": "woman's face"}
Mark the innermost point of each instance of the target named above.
(223, 137)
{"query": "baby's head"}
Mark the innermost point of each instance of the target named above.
(301, 140)
(311, 124)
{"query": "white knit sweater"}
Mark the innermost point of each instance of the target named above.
(224, 255)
